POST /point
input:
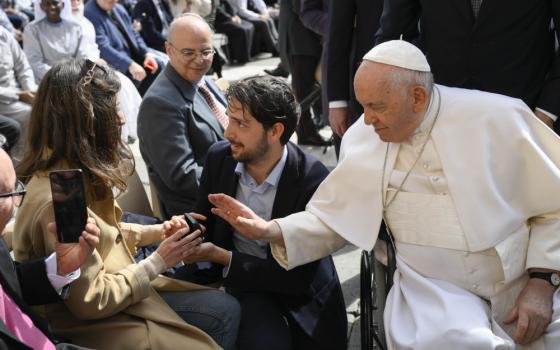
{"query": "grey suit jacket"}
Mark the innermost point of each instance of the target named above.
(175, 128)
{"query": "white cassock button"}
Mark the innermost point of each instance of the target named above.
(426, 165)
(435, 178)
(475, 286)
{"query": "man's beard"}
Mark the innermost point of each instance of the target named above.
(255, 154)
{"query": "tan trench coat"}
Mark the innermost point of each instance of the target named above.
(108, 307)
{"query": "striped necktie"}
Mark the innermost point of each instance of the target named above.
(213, 104)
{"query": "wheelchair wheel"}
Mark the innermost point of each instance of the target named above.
(372, 300)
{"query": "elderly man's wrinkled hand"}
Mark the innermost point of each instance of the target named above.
(532, 311)
(243, 219)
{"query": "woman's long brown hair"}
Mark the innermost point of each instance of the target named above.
(76, 119)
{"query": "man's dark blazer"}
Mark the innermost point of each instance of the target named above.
(27, 284)
(509, 48)
(311, 293)
(112, 44)
(353, 24)
(146, 12)
(175, 128)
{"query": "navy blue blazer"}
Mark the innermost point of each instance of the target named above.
(145, 11)
(311, 293)
(111, 42)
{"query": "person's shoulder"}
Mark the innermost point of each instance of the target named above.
(219, 150)
(307, 163)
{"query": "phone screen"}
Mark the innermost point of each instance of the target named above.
(69, 202)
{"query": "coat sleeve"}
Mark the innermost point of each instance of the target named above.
(314, 16)
(341, 31)
(400, 17)
(114, 57)
(97, 293)
(36, 288)
(167, 146)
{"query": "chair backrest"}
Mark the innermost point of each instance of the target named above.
(135, 199)
(156, 209)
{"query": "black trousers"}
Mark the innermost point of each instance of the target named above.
(240, 39)
(265, 324)
(11, 131)
(303, 68)
(266, 36)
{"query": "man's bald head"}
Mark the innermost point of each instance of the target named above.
(190, 23)
(189, 37)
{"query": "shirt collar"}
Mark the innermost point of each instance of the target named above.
(273, 178)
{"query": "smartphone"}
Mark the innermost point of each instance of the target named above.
(193, 224)
(69, 202)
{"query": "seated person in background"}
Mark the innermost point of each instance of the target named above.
(115, 303)
(155, 18)
(53, 36)
(121, 46)
(240, 32)
(273, 177)
(35, 282)
(129, 97)
(17, 84)
(5, 22)
(265, 30)
(181, 116)
(10, 131)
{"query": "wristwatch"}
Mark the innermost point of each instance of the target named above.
(551, 277)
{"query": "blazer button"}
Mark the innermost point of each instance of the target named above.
(118, 239)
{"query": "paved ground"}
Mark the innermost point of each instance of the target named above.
(346, 260)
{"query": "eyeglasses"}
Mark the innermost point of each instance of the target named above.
(190, 54)
(18, 193)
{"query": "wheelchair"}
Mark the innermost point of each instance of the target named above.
(376, 279)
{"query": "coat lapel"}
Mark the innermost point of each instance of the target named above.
(288, 188)
(189, 92)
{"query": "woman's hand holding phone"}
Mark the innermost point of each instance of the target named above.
(178, 246)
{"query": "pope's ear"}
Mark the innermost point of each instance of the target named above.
(420, 98)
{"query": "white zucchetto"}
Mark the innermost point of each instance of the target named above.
(399, 53)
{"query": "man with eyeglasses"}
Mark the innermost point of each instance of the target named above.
(181, 116)
(35, 282)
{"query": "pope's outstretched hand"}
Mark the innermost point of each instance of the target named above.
(244, 220)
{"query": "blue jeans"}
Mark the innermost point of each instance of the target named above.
(213, 311)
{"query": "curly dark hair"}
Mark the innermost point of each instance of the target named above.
(75, 118)
(269, 100)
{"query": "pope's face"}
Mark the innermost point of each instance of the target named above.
(389, 109)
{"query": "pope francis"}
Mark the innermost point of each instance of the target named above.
(468, 183)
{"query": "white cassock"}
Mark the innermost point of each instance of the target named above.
(481, 206)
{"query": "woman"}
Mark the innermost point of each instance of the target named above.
(115, 304)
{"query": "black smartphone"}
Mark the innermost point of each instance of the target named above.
(70, 205)
(193, 224)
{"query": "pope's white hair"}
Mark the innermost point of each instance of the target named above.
(402, 77)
